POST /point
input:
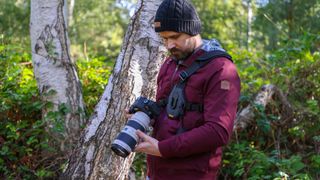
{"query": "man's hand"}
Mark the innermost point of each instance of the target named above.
(127, 114)
(147, 144)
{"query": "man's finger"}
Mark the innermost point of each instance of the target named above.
(141, 146)
(143, 136)
(127, 114)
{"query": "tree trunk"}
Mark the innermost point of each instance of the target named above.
(134, 75)
(70, 12)
(249, 22)
(56, 75)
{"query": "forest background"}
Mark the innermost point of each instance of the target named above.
(272, 42)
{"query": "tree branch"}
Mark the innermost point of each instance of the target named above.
(267, 94)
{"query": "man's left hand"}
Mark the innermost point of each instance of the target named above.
(147, 144)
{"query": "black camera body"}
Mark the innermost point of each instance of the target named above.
(143, 110)
(151, 108)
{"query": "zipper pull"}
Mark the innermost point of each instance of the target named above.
(174, 73)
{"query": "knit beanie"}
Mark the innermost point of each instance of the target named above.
(178, 16)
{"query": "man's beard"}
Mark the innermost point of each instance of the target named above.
(178, 54)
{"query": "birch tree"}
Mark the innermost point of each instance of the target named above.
(134, 75)
(55, 72)
(70, 12)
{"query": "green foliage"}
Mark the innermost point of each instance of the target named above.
(23, 138)
(279, 20)
(139, 165)
(22, 143)
(244, 160)
(22, 134)
(277, 146)
(14, 18)
(94, 75)
(282, 48)
(225, 20)
(17, 84)
(98, 27)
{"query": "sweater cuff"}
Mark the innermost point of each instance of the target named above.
(165, 148)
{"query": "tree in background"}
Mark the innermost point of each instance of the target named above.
(272, 146)
(226, 21)
(281, 21)
(97, 27)
(55, 72)
(133, 76)
(14, 20)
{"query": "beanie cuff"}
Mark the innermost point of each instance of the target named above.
(191, 27)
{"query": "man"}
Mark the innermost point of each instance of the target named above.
(189, 145)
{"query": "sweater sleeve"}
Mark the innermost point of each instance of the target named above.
(221, 96)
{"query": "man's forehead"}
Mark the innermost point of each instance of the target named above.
(169, 33)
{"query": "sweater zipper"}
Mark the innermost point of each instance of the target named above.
(174, 73)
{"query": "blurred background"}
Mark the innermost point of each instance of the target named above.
(271, 41)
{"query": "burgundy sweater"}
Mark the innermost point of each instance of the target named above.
(196, 153)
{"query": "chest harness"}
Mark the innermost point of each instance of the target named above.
(176, 103)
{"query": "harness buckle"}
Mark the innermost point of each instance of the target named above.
(183, 75)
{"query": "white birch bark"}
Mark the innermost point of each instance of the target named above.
(56, 75)
(70, 12)
(134, 75)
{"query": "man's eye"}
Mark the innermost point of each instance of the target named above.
(175, 37)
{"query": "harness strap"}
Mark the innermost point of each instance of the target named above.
(163, 102)
(200, 62)
(188, 106)
(195, 66)
(194, 107)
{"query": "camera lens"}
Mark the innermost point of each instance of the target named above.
(127, 139)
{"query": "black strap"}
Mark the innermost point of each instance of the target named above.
(202, 61)
(194, 107)
(163, 102)
(188, 107)
(184, 75)
(214, 54)
(195, 66)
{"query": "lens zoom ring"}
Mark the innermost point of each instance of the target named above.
(127, 139)
(136, 125)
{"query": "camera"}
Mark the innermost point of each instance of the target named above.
(143, 110)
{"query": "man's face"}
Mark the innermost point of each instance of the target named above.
(180, 45)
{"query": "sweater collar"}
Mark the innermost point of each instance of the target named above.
(206, 46)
